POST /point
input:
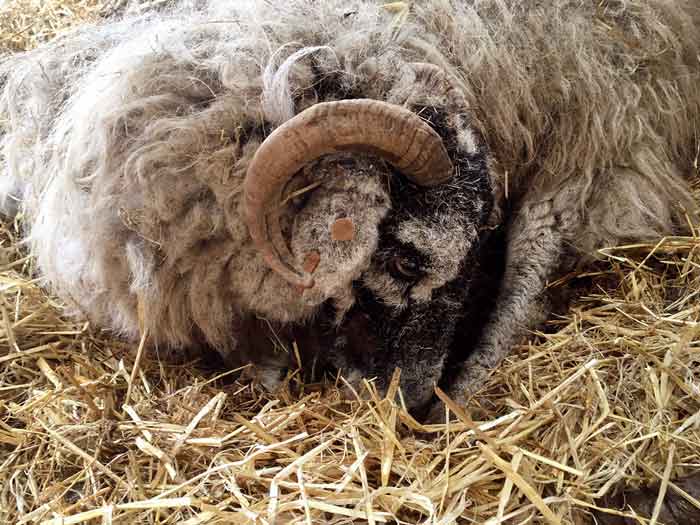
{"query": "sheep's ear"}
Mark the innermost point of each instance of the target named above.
(336, 233)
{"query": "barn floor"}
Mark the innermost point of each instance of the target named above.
(89, 433)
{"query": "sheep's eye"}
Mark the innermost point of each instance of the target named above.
(404, 269)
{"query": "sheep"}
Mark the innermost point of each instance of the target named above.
(346, 171)
(132, 186)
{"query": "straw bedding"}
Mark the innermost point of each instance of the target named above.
(94, 431)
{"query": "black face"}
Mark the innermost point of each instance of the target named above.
(412, 305)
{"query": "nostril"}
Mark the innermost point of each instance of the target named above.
(427, 412)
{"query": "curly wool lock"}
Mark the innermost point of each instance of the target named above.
(129, 141)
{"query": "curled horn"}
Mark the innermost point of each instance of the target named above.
(391, 132)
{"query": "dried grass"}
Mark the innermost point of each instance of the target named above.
(27, 23)
(612, 393)
(91, 433)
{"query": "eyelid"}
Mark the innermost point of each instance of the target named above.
(405, 269)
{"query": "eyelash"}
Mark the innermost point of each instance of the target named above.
(404, 269)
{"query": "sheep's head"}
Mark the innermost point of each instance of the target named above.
(395, 297)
